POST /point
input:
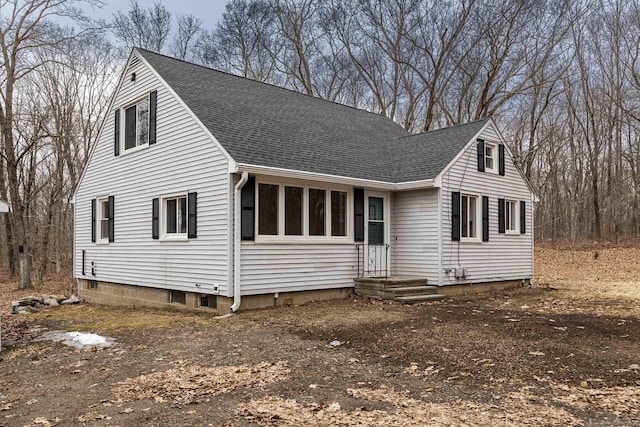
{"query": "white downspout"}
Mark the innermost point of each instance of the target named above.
(237, 230)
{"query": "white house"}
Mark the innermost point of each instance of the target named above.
(209, 189)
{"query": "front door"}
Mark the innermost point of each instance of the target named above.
(377, 248)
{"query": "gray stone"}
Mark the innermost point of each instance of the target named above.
(71, 300)
(30, 300)
(24, 309)
(50, 301)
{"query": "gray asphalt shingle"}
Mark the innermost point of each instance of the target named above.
(262, 124)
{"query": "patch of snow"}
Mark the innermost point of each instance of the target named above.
(79, 340)
(335, 343)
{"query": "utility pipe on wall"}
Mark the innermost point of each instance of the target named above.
(237, 241)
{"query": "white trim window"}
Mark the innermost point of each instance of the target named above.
(511, 217)
(298, 212)
(174, 216)
(103, 220)
(490, 157)
(470, 217)
(136, 125)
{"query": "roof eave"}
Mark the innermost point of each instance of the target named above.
(334, 179)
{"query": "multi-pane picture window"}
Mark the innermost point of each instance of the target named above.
(338, 213)
(317, 201)
(268, 209)
(293, 199)
(285, 210)
(136, 129)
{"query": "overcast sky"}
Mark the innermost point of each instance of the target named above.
(210, 11)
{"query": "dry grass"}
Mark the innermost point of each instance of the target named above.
(105, 320)
(191, 384)
(609, 276)
(403, 411)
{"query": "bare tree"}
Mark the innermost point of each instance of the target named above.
(145, 28)
(189, 27)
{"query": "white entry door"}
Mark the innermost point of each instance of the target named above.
(377, 252)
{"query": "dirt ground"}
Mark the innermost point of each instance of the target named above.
(564, 352)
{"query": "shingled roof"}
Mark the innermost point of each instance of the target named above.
(266, 125)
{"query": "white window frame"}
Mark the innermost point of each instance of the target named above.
(511, 228)
(99, 218)
(173, 237)
(493, 157)
(305, 237)
(123, 126)
(478, 218)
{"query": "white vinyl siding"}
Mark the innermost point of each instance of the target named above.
(504, 256)
(277, 267)
(414, 234)
(185, 158)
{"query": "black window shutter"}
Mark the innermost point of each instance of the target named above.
(248, 210)
(480, 155)
(455, 216)
(93, 220)
(116, 133)
(155, 218)
(523, 217)
(83, 261)
(501, 224)
(501, 159)
(153, 100)
(358, 210)
(192, 202)
(485, 219)
(111, 211)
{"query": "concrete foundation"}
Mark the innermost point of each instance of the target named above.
(118, 294)
(475, 288)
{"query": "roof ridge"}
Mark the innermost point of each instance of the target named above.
(266, 84)
(484, 119)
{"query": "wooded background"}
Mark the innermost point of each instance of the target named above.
(560, 78)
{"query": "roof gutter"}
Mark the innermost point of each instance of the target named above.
(237, 241)
(336, 179)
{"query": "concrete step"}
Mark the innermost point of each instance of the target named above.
(414, 290)
(419, 298)
(391, 282)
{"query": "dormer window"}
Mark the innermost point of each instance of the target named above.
(136, 124)
(490, 157)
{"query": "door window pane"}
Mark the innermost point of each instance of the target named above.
(293, 211)
(376, 221)
(317, 201)
(268, 209)
(376, 233)
(375, 209)
(338, 213)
